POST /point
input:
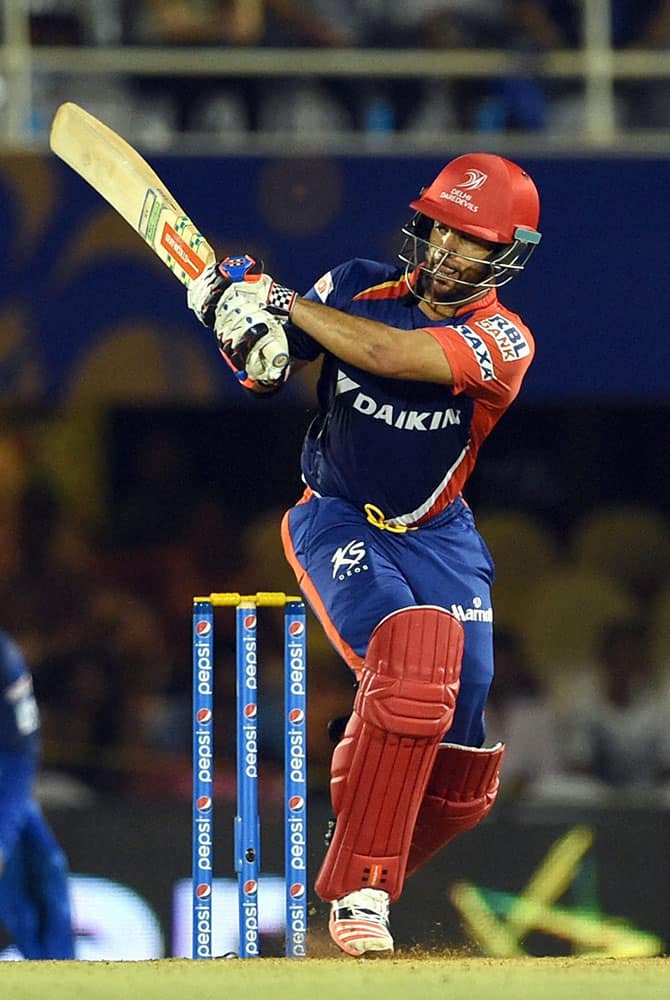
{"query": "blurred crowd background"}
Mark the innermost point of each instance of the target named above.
(522, 100)
(96, 581)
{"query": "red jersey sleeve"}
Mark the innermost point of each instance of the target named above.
(489, 355)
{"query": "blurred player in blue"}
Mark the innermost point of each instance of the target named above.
(419, 362)
(34, 900)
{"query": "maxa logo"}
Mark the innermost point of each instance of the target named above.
(203, 628)
(480, 351)
(296, 716)
(296, 890)
(250, 711)
(203, 891)
(296, 628)
(250, 621)
(204, 803)
(250, 887)
(295, 803)
(203, 715)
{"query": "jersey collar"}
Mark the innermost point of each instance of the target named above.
(469, 307)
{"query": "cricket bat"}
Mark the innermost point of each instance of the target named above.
(123, 178)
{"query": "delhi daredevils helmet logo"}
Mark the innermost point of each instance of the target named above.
(474, 180)
(296, 628)
(203, 628)
(203, 891)
(203, 715)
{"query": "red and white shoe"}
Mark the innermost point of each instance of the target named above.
(359, 924)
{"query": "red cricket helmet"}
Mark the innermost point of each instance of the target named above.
(486, 197)
(483, 195)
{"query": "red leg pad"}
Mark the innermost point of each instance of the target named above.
(404, 705)
(461, 791)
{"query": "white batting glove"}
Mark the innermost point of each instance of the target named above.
(251, 339)
(263, 289)
(204, 292)
(278, 299)
(268, 361)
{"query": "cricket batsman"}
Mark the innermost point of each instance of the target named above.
(34, 900)
(418, 364)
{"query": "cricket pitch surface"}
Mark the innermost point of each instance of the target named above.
(408, 975)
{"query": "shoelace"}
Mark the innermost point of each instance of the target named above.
(355, 911)
(348, 913)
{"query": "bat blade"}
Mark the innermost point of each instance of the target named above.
(124, 179)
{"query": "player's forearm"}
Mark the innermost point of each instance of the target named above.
(372, 346)
(366, 343)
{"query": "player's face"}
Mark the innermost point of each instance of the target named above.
(453, 258)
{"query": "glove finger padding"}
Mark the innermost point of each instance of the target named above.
(204, 293)
(268, 361)
(252, 340)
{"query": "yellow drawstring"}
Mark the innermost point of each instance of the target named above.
(375, 516)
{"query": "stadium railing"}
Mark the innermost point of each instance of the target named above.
(596, 67)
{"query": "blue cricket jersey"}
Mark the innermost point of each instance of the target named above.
(407, 447)
(19, 742)
(19, 720)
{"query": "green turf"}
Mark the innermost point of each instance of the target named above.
(341, 979)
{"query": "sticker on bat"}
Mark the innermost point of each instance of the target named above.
(181, 252)
(149, 216)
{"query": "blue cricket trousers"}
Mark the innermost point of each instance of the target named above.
(34, 900)
(354, 574)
